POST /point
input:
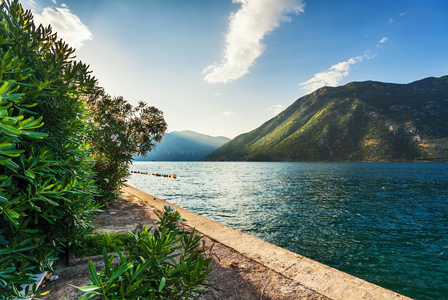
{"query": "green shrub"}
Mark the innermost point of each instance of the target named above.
(50, 146)
(46, 183)
(95, 243)
(165, 264)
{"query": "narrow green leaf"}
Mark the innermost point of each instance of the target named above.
(12, 220)
(5, 145)
(162, 284)
(11, 213)
(94, 274)
(88, 288)
(119, 272)
(48, 187)
(10, 129)
(50, 201)
(89, 295)
(12, 153)
(12, 165)
(143, 267)
(34, 135)
(30, 174)
(6, 86)
(133, 287)
(4, 160)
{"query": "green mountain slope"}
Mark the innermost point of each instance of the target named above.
(361, 121)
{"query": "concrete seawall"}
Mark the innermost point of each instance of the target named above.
(323, 279)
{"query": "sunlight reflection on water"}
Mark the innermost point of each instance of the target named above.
(383, 222)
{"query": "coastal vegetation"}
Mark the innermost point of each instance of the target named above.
(47, 181)
(360, 121)
(164, 263)
(117, 133)
(65, 148)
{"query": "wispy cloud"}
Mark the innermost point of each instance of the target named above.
(54, 1)
(228, 113)
(247, 28)
(392, 20)
(66, 24)
(333, 75)
(276, 109)
(382, 41)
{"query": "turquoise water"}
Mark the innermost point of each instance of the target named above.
(383, 222)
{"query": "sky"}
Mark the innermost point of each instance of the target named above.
(224, 67)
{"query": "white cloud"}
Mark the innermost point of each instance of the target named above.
(66, 24)
(276, 109)
(228, 113)
(54, 1)
(247, 28)
(390, 21)
(332, 76)
(403, 13)
(382, 41)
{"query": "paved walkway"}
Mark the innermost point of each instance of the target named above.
(244, 267)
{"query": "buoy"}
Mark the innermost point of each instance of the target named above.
(174, 176)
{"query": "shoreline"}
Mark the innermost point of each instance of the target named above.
(310, 274)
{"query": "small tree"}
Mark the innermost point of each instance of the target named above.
(118, 133)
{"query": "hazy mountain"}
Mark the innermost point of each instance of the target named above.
(184, 146)
(360, 121)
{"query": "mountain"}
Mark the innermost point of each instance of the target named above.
(360, 121)
(184, 146)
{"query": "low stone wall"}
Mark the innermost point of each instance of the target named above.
(323, 279)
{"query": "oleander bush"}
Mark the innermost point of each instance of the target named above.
(46, 178)
(64, 144)
(118, 133)
(167, 263)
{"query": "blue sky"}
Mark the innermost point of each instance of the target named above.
(223, 67)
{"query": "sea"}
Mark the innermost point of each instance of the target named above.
(386, 223)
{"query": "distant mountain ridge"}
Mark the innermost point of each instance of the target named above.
(360, 121)
(184, 146)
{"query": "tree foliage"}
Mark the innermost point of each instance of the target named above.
(117, 133)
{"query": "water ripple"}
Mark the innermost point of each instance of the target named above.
(383, 222)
